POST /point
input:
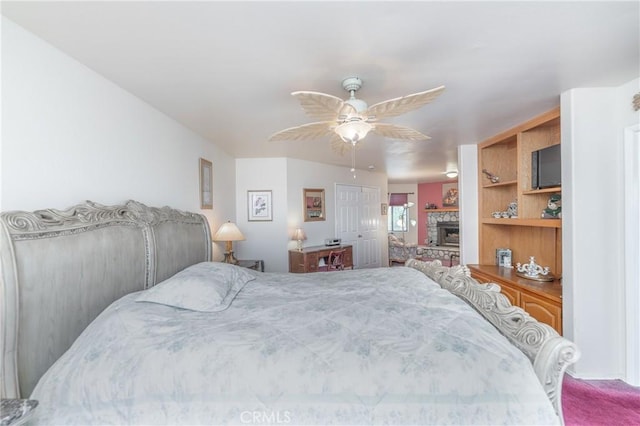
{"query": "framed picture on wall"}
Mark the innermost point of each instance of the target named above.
(260, 206)
(313, 204)
(449, 195)
(206, 184)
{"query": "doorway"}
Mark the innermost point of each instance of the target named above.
(357, 222)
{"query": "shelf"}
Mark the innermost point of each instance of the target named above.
(508, 155)
(506, 183)
(445, 209)
(543, 191)
(541, 223)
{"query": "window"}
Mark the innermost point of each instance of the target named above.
(397, 219)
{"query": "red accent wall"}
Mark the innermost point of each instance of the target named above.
(428, 193)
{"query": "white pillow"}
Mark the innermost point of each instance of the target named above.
(203, 287)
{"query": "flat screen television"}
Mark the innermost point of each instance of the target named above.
(546, 167)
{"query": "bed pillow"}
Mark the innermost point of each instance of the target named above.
(203, 287)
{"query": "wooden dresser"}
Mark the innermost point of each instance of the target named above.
(542, 300)
(307, 259)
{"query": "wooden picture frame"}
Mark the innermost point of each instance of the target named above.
(450, 195)
(206, 184)
(313, 203)
(260, 206)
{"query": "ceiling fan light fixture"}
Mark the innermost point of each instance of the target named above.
(353, 131)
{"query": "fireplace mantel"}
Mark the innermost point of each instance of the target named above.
(444, 209)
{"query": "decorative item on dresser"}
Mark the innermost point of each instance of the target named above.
(309, 258)
(229, 233)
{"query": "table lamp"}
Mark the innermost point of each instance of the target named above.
(299, 235)
(229, 233)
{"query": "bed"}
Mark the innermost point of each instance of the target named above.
(116, 315)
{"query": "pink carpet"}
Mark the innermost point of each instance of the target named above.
(600, 402)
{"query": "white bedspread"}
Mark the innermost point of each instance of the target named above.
(378, 346)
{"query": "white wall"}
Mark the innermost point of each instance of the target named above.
(264, 240)
(593, 123)
(69, 135)
(411, 236)
(468, 187)
(287, 177)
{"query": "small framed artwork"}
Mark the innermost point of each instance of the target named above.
(450, 195)
(313, 204)
(206, 184)
(383, 209)
(503, 257)
(260, 206)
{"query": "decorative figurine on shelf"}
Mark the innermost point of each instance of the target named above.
(533, 271)
(554, 208)
(430, 206)
(493, 178)
(512, 210)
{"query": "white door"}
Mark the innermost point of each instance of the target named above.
(357, 221)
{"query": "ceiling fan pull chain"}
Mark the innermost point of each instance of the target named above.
(353, 158)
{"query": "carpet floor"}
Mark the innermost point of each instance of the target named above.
(600, 402)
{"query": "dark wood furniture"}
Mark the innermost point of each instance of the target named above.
(541, 300)
(256, 265)
(307, 259)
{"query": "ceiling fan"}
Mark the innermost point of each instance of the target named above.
(349, 121)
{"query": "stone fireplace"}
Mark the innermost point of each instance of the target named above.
(443, 237)
(448, 234)
(434, 219)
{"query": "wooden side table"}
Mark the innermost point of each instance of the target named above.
(256, 265)
(14, 412)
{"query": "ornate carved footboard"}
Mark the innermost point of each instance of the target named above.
(60, 269)
(549, 352)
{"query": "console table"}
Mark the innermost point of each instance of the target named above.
(307, 259)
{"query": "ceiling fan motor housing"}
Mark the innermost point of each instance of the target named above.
(352, 85)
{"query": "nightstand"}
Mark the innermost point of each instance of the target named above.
(14, 412)
(256, 265)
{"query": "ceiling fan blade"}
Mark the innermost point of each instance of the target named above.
(306, 131)
(397, 132)
(338, 145)
(320, 105)
(397, 106)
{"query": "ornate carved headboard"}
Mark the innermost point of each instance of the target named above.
(60, 269)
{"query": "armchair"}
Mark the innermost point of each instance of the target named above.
(399, 251)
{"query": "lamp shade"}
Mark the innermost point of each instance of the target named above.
(353, 131)
(228, 232)
(299, 235)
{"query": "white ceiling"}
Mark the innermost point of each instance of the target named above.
(226, 69)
